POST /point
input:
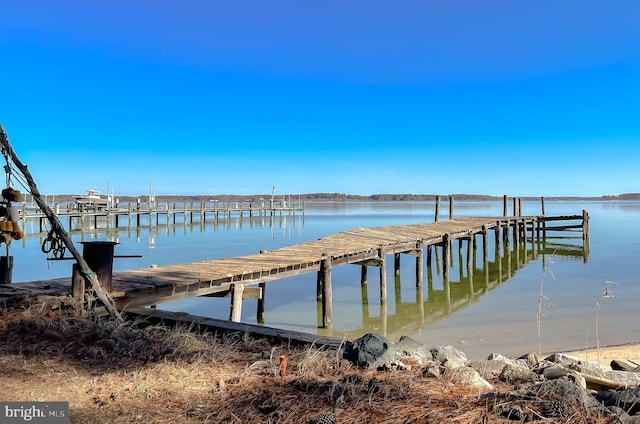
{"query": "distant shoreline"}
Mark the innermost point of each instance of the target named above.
(343, 197)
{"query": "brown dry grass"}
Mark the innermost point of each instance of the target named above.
(151, 374)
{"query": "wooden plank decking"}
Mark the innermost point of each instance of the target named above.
(353, 246)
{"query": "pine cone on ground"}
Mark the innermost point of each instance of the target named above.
(326, 418)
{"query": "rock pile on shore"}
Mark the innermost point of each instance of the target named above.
(522, 389)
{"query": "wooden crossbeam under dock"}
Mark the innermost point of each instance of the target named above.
(360, 246)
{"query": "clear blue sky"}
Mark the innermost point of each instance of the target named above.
(362, 96)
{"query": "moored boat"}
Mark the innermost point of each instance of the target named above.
(92, 199)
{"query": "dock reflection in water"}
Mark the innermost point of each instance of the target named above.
(444, 296)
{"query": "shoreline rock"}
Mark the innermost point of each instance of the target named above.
(554, 382)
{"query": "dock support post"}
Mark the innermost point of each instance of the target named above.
(445, 255)
(396, 264)
(319, 282)
(260, 311)
(471, 243)
(485, 245)
(419, 265)
(498, 231)
(363, 275)
(327, 311)
(383, 276)
(505, 202)
(429, 255)
(236, 302)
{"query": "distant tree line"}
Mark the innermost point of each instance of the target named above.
(339, 197)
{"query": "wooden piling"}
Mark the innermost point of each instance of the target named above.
(236, 302)
(327, 300)
(446, 244)
(470, 249)
(485, 245)
(363, 275)
(319, 281)
(585, 224)
(261, 304)
(396, 264)
(383, 275)
(450, 207)
(419, 265)
(437, 214)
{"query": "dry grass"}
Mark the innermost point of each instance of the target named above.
(132, 373)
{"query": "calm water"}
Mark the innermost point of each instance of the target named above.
(494, 309)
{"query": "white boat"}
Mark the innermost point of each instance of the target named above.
(93, 198)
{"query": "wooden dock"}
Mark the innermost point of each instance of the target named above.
(246, 276)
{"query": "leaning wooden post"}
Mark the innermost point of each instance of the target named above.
(236, 302)
(437, 214)
(56, 226)
(327, 301)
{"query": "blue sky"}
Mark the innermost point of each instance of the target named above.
(510, 97)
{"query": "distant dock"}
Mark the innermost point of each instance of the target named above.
(78, 216)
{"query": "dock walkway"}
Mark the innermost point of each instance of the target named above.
(233, 277)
